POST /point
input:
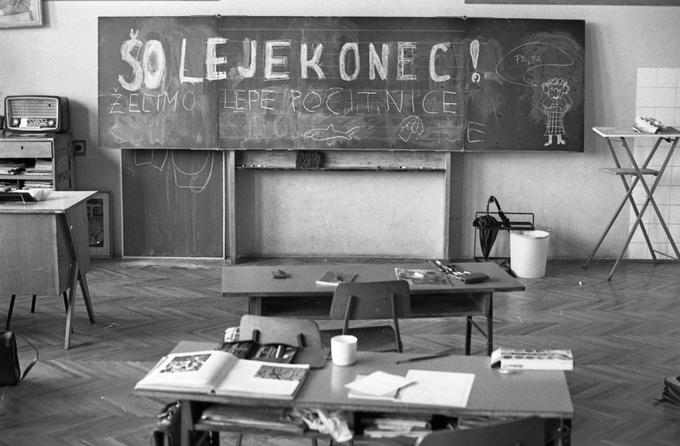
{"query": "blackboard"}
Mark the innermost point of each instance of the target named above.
(148, 95)
(173, 203)
(530, 89)
(366, 83)
(336, 83)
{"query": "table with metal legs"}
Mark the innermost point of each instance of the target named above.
(637, 173)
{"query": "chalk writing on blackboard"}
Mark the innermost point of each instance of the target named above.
(194, 181)
(146, 98)
(341, 83)
(526, 89)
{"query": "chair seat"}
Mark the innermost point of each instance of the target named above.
(377, 338)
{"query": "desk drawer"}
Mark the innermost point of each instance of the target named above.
(26, 149)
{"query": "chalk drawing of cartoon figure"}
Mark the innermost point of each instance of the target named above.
(555, 104)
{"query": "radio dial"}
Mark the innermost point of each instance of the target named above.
(16, 121)
(50, 122)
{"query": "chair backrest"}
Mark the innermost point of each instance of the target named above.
(521, 432)
(281, 330)
(371, 300)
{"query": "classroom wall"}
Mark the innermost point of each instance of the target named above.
(565, 190)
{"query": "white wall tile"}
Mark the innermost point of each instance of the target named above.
(666, 77)
(658, 96)
(647, 77)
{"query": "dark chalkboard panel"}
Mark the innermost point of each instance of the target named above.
(366, 83)
(143, 100)
(173, 203)
(530, 85)
(334, 83)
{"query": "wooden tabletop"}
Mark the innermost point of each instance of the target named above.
(257, 280)
(56, 202)
(518, 394)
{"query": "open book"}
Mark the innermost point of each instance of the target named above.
(219, 372)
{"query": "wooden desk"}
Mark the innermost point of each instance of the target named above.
(45, 250)
(529, 393)
(638, 172)
(299, 296)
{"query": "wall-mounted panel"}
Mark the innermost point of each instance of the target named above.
(337, 83)
(173, 203)
(151, 88)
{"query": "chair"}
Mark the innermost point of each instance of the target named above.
(303, 333)
(521, 432)
(369, 301)
(281, 330)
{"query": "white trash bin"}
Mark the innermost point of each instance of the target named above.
(529, 253)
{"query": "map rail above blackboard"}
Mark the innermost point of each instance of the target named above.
(341, 83)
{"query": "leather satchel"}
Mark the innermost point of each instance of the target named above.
(10, 372)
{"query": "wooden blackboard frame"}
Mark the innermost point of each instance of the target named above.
(425, 105)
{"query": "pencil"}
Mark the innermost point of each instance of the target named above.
(421, 358)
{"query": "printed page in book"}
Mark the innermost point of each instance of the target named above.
(214, 371)
(262, 379)
(197, 371)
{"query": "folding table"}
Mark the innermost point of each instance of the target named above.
(637, 172)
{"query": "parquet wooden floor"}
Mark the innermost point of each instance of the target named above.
(625, 335)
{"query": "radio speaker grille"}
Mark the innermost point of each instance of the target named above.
(38, 108)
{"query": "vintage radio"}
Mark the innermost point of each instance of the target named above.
(36, 113)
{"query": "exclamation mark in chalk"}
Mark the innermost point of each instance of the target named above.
(474, 53)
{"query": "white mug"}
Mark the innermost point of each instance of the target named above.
(344, 350)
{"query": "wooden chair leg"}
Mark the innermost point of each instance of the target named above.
(33, 304)
(9, 312)
(65, 300)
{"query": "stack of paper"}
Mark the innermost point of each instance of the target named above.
(389, 427)
(42, 168)
(377, 385)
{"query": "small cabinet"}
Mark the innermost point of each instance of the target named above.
(32, 161)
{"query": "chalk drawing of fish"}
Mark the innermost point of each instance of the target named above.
(329, 133)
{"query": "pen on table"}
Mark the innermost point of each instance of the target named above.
(421, 358)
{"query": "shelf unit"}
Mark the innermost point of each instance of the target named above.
(55, 149)
(333, 160)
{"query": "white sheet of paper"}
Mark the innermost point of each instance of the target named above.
(438, 388)
(379, 384)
